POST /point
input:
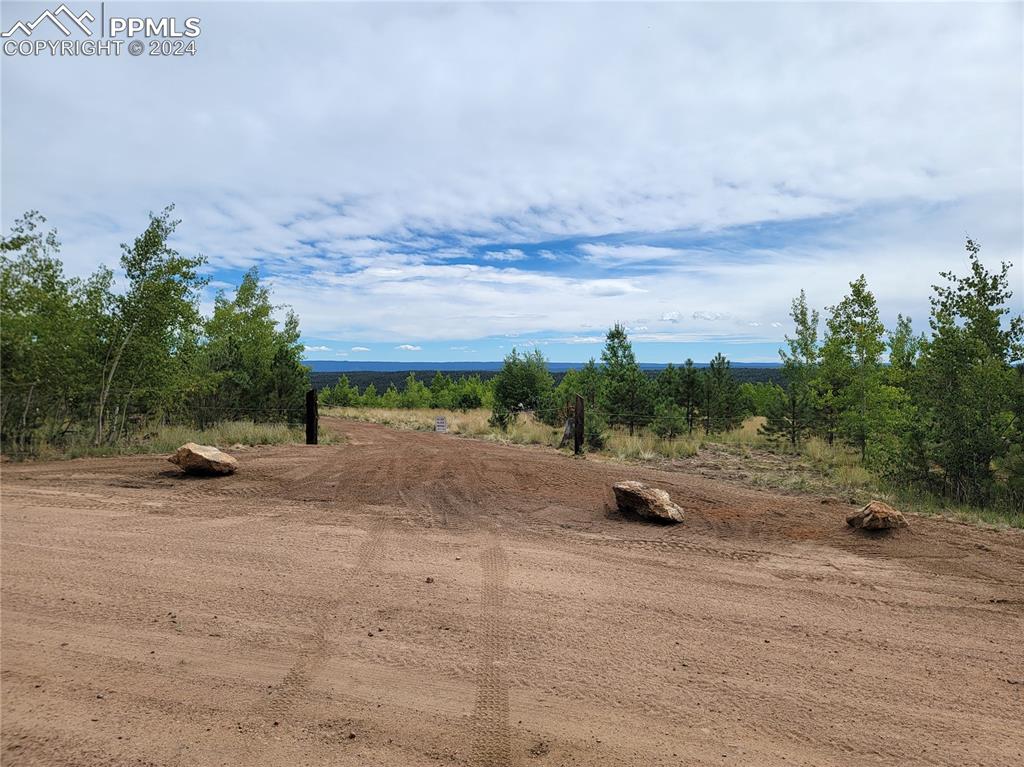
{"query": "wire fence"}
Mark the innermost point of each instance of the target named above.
(36, 416)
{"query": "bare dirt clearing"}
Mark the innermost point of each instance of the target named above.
(283, 616)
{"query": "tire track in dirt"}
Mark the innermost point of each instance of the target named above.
(492, 745)
(296, 683)
(465, 502)
(295, 687)
(386, 470)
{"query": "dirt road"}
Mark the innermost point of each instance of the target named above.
(283, 616)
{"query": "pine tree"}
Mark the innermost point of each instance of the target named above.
(689, 393)
(722, 408)
(523, 383)
(624, 388)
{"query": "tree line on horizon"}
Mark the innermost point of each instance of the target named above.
(85, 361)
(88, 360)
(942, 411)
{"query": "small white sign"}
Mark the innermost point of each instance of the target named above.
(441, 424)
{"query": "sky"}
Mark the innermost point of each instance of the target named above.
(445, 182)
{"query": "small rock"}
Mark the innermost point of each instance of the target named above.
(637, 498)
(538, 749)
(429, 579)
(876, 516)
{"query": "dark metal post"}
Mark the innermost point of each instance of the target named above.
(578, 426)
(312, 417)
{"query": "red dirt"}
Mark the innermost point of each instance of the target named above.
(282, 616)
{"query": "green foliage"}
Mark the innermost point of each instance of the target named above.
(595, 430)
(669, 420)
(414, 395)
(758, 397)
(342, 394)
(625, 392)
(444, 393)
(721, 403)
(965, 390)
(853, 355)
(248, 363)
(524, 383)
(791, 410)
(369, 397)
(82, 362)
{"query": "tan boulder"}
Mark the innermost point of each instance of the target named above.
(203, 459)
(876, 516)
(637, 498)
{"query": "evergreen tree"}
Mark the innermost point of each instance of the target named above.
(369, 397)
(669, 420)
(689, 393)
(722, 407)
(588, 379)
(523, 383)
(624, 394)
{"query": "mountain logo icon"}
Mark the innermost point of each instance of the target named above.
(62, 11)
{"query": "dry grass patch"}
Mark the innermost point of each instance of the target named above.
(167, 439)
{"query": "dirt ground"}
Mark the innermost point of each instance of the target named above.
(286, 616)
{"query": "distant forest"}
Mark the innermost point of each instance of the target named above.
(100, 363)
(382, 380)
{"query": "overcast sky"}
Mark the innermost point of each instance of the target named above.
(444, 182)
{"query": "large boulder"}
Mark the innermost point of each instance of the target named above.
(203, 459)
(637, 498)
(876, 516)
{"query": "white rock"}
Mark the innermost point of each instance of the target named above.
(203, 459)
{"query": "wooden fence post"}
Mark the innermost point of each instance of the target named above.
(578, 427)
(312, 417)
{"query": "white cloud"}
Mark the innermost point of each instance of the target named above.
(618, 255)
(409, 348)
(316, 348)
(514, 254)
(443, 134)
(360, 349)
